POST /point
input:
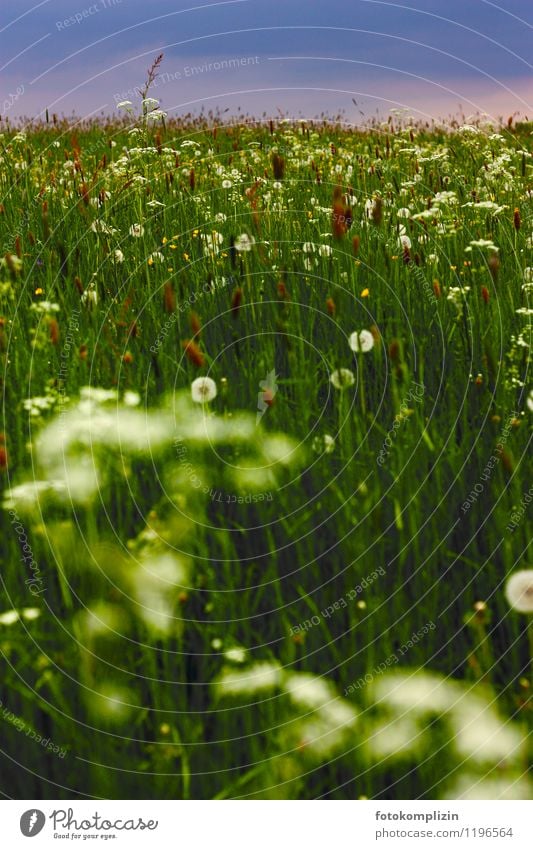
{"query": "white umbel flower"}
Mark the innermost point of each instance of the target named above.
(262, 677)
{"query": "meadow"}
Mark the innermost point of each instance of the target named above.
(266, 409)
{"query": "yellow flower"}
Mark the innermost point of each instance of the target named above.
(186, 257)
(365, 293)
(39, 291)
(164, 240)
(150, 261)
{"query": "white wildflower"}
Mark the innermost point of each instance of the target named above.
(203, 390)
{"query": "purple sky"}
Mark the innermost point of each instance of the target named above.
(302, 57)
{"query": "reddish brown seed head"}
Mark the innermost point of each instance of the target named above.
(282, 290)
(196, 325)
(395, 351)
(53, 329)
(377, 211)
(278, 166)
(169, 298)
(331, 307)
(338, 220)
(494, 266)
(268, 397)
(193, 353)
(236, 301)
(485, 294)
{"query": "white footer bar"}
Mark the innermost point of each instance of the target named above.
(267, 825)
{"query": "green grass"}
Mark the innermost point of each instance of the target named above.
(252, 573)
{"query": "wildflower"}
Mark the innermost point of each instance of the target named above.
(482, 243)
(99, 226)
(9, 617)
(480, 734)
(97, 394)
(259, 678)
(324, 444)
(342, 378)
(243, 243)
(227, 184)
(45, 307)
(118, 256)
(211, 242)
(235, 655)
(519, 591)
(361, 341)
(420, 692)
(136, 230)
(203, 390)
(132, 399)
(90, 296)
(309, 691)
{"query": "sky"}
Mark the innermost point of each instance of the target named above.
(299, 58)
